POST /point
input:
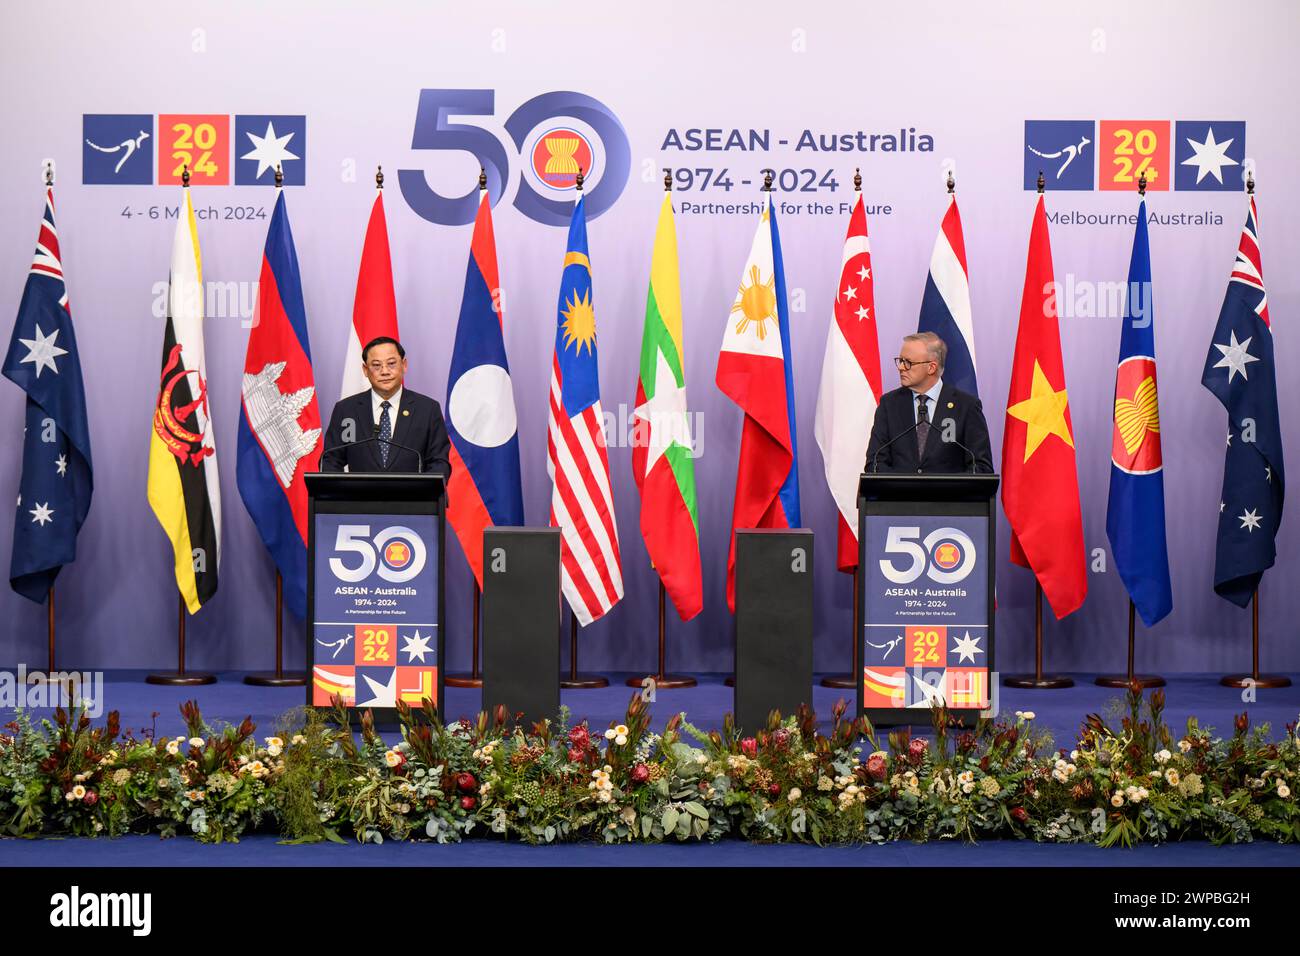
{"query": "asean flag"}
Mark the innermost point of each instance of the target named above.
(1040, 484)
(485, 487)
(279, 422)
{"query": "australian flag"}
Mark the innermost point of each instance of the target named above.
(1240, 371)
(55, 488)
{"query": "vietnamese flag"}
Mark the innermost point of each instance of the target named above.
(1040, 486)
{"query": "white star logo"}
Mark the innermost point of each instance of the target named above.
(385, 695)
(61, 463)
(862, 313)
(850, 292)
(417, 646)
(966, 648)
(665, 413)
(41, 351)
(1209, 157)
(864, 274)
(1249, 520)
(1222, 505)
(1235, 356)
(42, 514)
(269, 150)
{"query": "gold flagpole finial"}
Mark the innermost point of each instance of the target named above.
(379, 177)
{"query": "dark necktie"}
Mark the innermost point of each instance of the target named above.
(385, 432)
(922, 423)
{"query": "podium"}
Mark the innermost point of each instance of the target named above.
(926, 549)
(375, 580)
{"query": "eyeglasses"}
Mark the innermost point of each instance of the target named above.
(904, 365)
(390, 365)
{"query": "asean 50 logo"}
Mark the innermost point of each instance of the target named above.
(945, 555)
(396, 553)
(554, 135)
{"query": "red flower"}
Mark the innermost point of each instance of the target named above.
(91, 798)
(1019, 814)
(467, 803)
(876, 766)
(781, 738)
(466, 783)
(640, 773)
(575, 755)
(918, 747)
(580, 737)
(749, 747)
(774, 790)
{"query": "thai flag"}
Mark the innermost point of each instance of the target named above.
(945, 307)
(485, 487)
(279, 424)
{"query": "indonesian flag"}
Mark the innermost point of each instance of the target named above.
(662, 462)
(1040, 486)
(850, 387)
(754, 371)
(374, 311)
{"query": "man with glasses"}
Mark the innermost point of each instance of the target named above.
(387, 427)
(925, 426)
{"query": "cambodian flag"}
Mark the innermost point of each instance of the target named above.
(279, 424)
(485, 487)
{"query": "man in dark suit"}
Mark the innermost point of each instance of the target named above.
(367, 430)
(921, 426)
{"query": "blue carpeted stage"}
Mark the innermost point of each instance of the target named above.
(230, 700)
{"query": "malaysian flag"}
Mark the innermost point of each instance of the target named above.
(582, 503)
(1240, 371)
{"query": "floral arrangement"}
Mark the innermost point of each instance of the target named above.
(316, 779)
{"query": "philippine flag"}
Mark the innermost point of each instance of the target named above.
(485, 487)
(279, 424)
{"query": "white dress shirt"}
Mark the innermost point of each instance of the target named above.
(931, 405)
(393, 403)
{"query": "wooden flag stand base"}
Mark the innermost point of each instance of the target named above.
(48, 676)
(850, 681)
(474, 678)
(1129, 679)
(1254, 678)
(661, 679)
(180, 677)
(1038, 680)
(278, 677)
(576, 681)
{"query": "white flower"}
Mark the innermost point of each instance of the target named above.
(1117, 799)
(78, 792)
(1171, 776)
(80, 777)
(69, 796)
(1061, 764)
(1020, 714)
(163, 783)
(1163, 756)
(620, 740)
(392, 758)
(173, 747)
(196, 741)
(298, 739)
(1283, 790)
(1074, 755)
(274, 742)
(273, 751)
(701, 759)
(1184, 745)
(794, 794)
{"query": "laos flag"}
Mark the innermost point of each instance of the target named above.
(279, 424)
(485, 488)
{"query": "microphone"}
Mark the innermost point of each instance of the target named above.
(875, 459)
(351, 444)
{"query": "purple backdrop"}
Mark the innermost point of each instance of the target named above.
(968, 78)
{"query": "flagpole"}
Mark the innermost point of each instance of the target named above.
(849, 681)
(474, 678)
(576, 681)
(51, 630)
(661, 677)
(278, 677)
(1255, 678)
(1129, 678)
(180, 677)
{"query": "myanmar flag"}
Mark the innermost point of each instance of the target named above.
(183, 489)
(1040, 486)
(662, 462)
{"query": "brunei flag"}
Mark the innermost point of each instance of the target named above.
(183, 488)
(661, 440)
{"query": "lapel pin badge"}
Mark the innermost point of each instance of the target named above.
(407, 411)
(950, 405)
